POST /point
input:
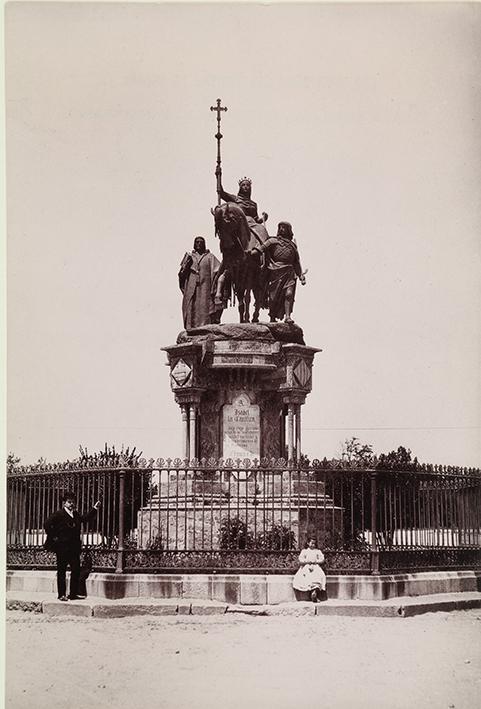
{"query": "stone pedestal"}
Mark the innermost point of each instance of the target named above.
(191, 508)
(240, 389)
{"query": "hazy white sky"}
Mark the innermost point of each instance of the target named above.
(360, 124)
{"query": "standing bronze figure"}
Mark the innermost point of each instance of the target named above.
(196, 277)
(283, 268)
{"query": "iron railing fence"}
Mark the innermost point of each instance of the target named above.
(173, 515)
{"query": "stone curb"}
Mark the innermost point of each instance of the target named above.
(359, 609)
(14, 604)
(100, 608)
(445, 606)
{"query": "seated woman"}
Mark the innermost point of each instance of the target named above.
(310, 576)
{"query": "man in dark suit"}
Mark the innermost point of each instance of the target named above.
(63, 537)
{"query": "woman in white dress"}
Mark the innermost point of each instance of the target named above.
(310, 576)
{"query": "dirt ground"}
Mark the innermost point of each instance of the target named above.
(236, 662)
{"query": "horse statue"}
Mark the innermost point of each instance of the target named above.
(240, 268)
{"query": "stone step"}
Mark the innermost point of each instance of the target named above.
(104, 608)
(248, 589)
(108, 608)
(317, 501)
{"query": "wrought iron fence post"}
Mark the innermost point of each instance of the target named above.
(374, 547)
(120, 549)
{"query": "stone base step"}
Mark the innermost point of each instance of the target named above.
(104, 608)
(250, 589)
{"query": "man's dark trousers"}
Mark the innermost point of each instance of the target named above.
(63, 537)
(68, 557)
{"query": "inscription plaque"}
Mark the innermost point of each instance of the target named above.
(246, 346)
(247, 354)
(241, 429)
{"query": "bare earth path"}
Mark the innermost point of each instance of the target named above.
(234, 662)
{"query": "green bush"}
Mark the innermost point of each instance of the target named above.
(234, 534)
(277, 538)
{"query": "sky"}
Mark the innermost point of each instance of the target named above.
(359, 124)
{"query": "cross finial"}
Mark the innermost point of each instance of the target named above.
(218, 170)
(218, 108)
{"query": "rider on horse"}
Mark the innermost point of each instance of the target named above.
(240, 230)
(249, 207)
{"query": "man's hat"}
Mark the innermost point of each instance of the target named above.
(69, 496)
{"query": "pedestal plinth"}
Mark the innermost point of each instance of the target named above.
(240, 389)
(193, 511)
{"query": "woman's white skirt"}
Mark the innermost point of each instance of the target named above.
(309, 577)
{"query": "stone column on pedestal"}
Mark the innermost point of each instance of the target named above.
(185, 431)
(290, 431)
(193, 431)
(298, 432)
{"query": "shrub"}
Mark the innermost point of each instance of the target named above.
(234, 534)
(278, 538)
(155, 544)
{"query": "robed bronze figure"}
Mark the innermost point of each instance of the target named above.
(196, 276)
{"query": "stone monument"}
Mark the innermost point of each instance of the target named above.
(240, 390)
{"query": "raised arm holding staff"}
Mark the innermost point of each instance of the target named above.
(218, 170)
(249, 256)
(243, 196)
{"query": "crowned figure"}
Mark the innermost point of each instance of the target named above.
(248, 206)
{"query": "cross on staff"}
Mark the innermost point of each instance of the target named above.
(218, 170)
